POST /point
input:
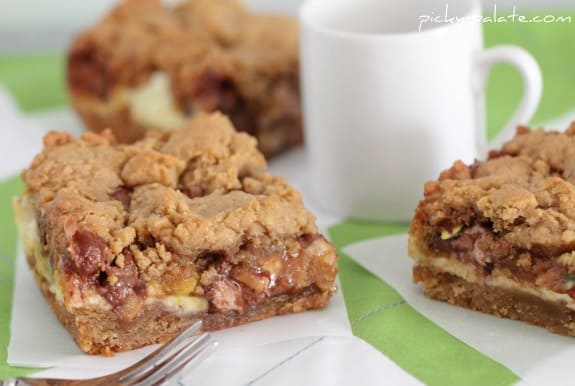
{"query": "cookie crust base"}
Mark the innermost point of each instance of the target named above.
(501, 302)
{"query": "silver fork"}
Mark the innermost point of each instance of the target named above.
(169, 363)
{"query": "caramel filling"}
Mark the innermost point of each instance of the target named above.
(216, 281)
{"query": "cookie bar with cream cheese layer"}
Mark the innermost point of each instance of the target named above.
(498, 236)
(130, 243)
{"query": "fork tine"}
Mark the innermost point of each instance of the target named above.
(140, 369)
(185, 357)
(191, 364)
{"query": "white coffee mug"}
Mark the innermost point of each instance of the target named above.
(387, 106)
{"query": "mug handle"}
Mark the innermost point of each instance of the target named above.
(532, 80)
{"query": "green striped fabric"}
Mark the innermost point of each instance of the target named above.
(377, 313)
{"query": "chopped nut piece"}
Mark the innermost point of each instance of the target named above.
(446, 235)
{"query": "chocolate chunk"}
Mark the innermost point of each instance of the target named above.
(307, 239)
(102, 278)
(215, 91)
(124, 195)
(489, 267)
(42, 231)
(493, 154)
(193, 191)
(122, 283)
(88, 74)
(225, 295)
(88, 252)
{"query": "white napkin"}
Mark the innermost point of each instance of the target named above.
(318, 361)
(531, 352)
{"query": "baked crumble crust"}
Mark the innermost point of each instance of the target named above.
(187, 215)
(525, 190)
(507, 222)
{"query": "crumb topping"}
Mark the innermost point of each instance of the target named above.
(525, 191)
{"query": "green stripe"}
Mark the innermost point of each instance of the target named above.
(36, 81)
(381, 317)
(8, 190)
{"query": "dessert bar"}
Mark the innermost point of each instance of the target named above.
(498, 236)
(130, 243)
(152, 64)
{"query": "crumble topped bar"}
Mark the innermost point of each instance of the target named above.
(148, 65)
(130, 243)
(498, 236)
